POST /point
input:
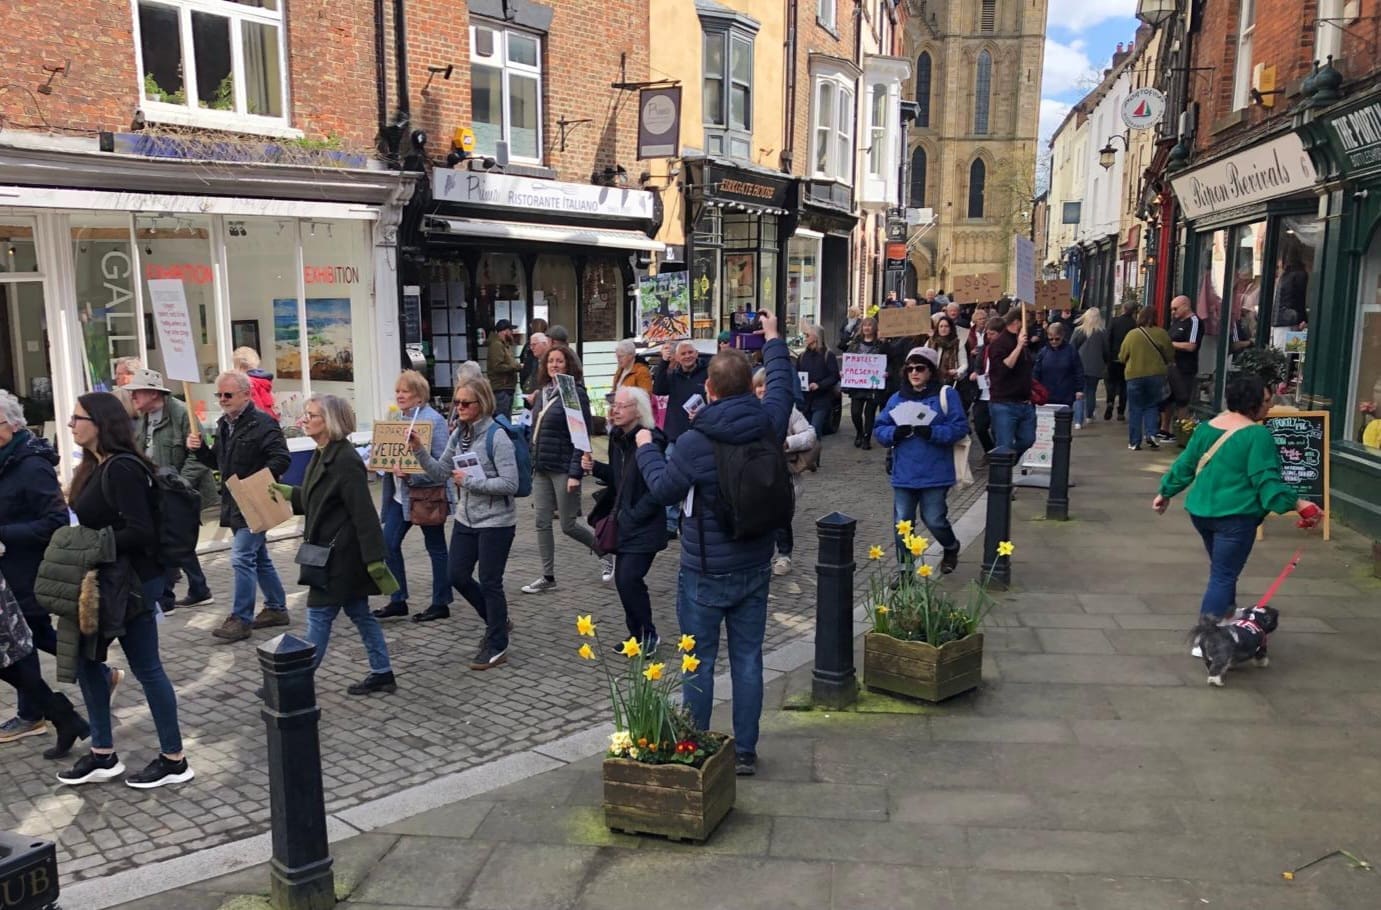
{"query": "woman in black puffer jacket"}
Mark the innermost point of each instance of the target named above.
(641, 521)
(556, 470)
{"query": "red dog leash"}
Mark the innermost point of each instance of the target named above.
(1280, 579)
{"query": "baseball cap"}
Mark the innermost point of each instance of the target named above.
(502, 324)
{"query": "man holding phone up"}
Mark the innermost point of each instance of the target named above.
(681, 378)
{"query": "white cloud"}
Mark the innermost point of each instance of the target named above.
(1076, 15)
(1067, 67)
(1052, 112)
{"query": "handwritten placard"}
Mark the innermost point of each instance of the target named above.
(1301, 438)
(168, 301)
(904, 322)
(575, 415)
(1053, 295)
(984, 288)
(389, 447)
(863, 371)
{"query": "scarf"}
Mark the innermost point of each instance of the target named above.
(948, 346)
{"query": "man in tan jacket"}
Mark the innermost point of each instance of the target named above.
(503, 367)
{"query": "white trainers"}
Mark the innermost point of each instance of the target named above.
(540, 586)
(781, 565)
(606, 569)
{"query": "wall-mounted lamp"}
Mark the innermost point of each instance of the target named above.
(1156, 12)
(1107, 155)
(433, 71)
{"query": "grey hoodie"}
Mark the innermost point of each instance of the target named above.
(484, 503)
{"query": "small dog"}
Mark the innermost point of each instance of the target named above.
(1238, 639)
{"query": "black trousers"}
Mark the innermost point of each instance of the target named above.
(630, 578)
(1116, 384)
(489, 548)
(863, 410)
(983, 425)
(27, 679)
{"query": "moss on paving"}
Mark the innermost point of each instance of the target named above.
(869, 702)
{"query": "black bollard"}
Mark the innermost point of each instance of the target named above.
(28, 873)
(1057, 501)
(300, 872)
(998, 569)
(834, 683)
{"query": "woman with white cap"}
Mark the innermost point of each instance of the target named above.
(921, 424)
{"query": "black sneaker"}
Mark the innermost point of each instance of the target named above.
(487, 658)
(1151, 441)
(196, 600)
(746, 764)
(374, 682)
(393, 609)
(160, 772)
(92, 768)
(949, 562)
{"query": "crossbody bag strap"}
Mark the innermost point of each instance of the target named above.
(1159, 350)
(1205, 458)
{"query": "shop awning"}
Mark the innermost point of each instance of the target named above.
(605, 238)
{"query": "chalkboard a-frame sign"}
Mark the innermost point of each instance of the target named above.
(1302, 439)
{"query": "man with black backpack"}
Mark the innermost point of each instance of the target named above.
(729, 470)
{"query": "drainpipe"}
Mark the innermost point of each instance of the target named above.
(380, 64)
(789, 132)
(396, 129)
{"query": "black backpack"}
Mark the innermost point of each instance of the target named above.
(755, 496)
(177, 513)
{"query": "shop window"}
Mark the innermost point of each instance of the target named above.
(18, 255)
(1208, 307)
(802, 281)
(25, 367)
(261, 256)
(449, 324)
(1244, 308)
(918, 177)
(923, 89)
(832, 133)
(217, 63)
(825, 13)
(501, 293)
(339, 280)
(104, 276)
(554, 287)
(978, 183)
(1298, 241)
(1364, 405)
(727, 88)
(1242, 73)
(602, 297)
(982, 92)
(506, 91)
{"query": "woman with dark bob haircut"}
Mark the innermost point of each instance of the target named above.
(1234, 468)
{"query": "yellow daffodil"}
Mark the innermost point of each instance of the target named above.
(916, 546)
(923, 541)
(689, 663)
(880, 610)
(653, 672)
(687, 643)
(904, 528)
(585, 625)
(1006, 548)
(875, 552)
(630, 648)
(586, 653)
(925, 571)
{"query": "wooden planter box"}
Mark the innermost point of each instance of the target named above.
(676, 801)
(920, 670)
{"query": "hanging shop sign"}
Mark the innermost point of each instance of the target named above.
(1143, 109)
(659, 122)
(1280, 167)
(1358, 135)
(527, 194)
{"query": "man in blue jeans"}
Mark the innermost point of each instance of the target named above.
(723, 580)
(1009, 374)
(247, 441)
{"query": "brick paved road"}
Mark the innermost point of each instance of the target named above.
(443, 719)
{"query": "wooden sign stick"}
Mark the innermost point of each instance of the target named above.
(191, 408)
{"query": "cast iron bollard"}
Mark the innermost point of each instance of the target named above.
(1057, 502)
(998, 569)
(834, 683)
(300, 873)
(28, 873)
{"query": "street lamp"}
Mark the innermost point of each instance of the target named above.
(1156, 12)
(1107, 155)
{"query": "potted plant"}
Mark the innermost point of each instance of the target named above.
(662, 775)
(1271, 364)
(925, 641)
(1184, 428)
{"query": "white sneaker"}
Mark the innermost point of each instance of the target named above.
(540, 586)
(781, 565)
(1078, 426)
(606, 569)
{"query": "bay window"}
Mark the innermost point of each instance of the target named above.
(506, 91)
(832, 128)
(727, 87)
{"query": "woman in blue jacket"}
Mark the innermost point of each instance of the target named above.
(1059, 368)
(923, 454)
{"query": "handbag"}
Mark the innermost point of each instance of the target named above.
(606, 523)
(1170, 388)
(963, 474)
(428, 507)
(313, 560)
(801, 462)
(1205, 458)
(1039, 393)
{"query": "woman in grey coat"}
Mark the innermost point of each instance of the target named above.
(1091, 343)
(480, 458)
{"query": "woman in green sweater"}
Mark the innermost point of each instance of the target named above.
(1235, 461)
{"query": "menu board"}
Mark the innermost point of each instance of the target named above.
(1301, 438)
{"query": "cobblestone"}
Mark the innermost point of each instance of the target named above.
(443, 719)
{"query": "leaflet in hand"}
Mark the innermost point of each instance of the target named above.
(694, 404)
(913, 413)
(468, 463)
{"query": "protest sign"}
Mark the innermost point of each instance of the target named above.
(863, 371)
(389, 447)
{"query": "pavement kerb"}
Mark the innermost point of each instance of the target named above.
(224, 859)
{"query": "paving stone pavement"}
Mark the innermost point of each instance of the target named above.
(1093, 769)
(444, 718)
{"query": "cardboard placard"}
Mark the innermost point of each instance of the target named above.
(389, 447)
(261, 510)
(575, 417)
(863, 371)
(1054, 295)
(904, 322)
(984, 288)
(1302, 440)
(168, 301)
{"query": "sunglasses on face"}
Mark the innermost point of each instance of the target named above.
(226, 396)
(917, 368)
(461, 403)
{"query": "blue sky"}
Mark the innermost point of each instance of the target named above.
(1081, 36)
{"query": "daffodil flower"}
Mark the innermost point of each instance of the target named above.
(904, 528)
(687, 643)
(653, 672)
(925, 571)
(585, 625)
(923, 541)
(630, 648)
(689, 663)
(1006, 548)
(586, 652)
(880, 610)
(917, 546)
(875, 552)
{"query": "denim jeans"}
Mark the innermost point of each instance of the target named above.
(1014, 425)
(1086, 408)
(549, 494)
(249, 560)
(434, 536)
(319, 620)
(630, 578)
(819, 415)
(45, 640)
(739, 601)
(1143, 403)
(1229, 541)
(934, 510)
(140, 644)
(488, 548)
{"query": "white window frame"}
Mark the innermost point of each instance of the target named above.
(836, 136)
(508, 68)
(1242, 69)
(825, 13)
(879, 105)
(190, 114)
(1328, 36)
